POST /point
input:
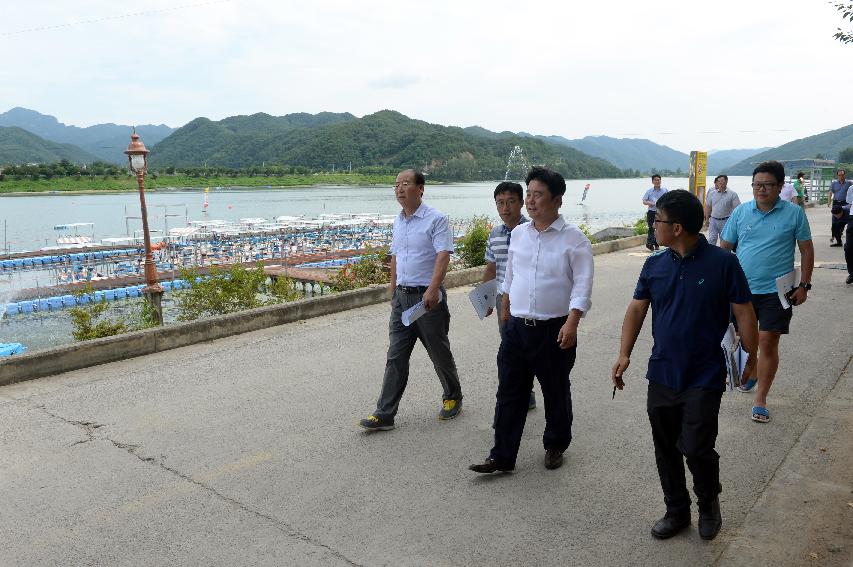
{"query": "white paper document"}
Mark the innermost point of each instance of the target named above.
(483, 297)
(736, 357)
(786, 283)
(414, 312)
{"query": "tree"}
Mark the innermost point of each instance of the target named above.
(846, 156)
(846, 14)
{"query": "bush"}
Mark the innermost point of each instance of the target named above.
(472, 249)
(229, 290)
(88, 324)
(370, 269)
(89, 321)
(588, 233)
(641, 227)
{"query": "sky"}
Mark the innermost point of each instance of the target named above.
(720, 74)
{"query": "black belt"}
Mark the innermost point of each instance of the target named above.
(540, 322)
(724, 218)
(412, 288)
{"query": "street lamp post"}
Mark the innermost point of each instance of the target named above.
(137, 156)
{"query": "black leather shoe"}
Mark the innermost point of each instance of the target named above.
(489, 466)
(670, 525)
(710, 520)
(835, 245)
(553, 459)
(849, 279)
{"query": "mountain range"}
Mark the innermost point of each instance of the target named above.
(828, 144)
(105, 142)
(384, 140)
(19, 146)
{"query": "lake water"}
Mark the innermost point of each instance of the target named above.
(29, 220)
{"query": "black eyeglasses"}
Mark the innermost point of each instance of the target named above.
(665, 221)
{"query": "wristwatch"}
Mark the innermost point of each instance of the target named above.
(805, 286)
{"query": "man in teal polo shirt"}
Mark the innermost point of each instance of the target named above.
(765, 232)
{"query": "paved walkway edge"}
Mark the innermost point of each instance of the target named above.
(804, 515)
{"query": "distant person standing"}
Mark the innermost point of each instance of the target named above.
(649, 199)
(848, 242)
(766, 231)
(788, 193)
(509, 198)
(800, 188)
(690, 289)
(837, 198)
(546, 291)
(719, 205)
(420, 253)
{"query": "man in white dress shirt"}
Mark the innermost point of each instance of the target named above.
(420, 253)
(546, 290)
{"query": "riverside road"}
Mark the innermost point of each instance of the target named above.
(245, 451)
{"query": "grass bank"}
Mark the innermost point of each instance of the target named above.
(154, 182)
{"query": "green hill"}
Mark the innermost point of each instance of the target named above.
(106, 142)
(18, 146)
(386, 140)
(829, 145)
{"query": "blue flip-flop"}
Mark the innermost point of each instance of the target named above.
(747, 386)
(760, 414)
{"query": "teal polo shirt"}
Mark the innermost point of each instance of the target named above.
(766, 241)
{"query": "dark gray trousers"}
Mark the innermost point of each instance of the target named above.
(431, 329)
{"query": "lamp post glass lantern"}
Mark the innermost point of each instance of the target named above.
(137, 157)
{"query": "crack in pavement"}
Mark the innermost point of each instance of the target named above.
(90, 428)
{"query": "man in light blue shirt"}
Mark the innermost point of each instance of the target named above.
(649, 199)
(765, 231)
(420, 253)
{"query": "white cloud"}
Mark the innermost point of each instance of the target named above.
(667, 70)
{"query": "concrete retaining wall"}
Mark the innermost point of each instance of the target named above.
(110, 349)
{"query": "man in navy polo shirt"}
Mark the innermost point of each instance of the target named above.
(691, 288)
(766, 230)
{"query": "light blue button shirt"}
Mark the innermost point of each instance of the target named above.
(766, 241)
(416, 242)
(653, 195)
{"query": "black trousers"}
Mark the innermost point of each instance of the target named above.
(526, 352)
(684, 426)
(650, 220)
(838, 224)
(848, 247)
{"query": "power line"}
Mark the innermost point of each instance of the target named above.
(117, 17)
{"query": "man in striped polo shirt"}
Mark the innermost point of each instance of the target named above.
(509, 198)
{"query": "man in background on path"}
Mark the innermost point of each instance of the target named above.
(800, 188)
(838, 198)
(546, 291)
(649, 198)
(848, 241)
(509, 198)
(766, 231)
(719, 204)
(690, 288)
(420, 253)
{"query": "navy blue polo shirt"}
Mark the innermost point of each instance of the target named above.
(690, 299)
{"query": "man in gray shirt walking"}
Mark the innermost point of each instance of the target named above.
(719, 205)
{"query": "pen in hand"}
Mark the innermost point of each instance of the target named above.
(613, 397)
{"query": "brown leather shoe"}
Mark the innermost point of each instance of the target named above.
(489, 466)
(553, 459)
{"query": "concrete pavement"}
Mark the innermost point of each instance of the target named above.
(245, 451)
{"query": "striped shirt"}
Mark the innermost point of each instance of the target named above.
(497, 249)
